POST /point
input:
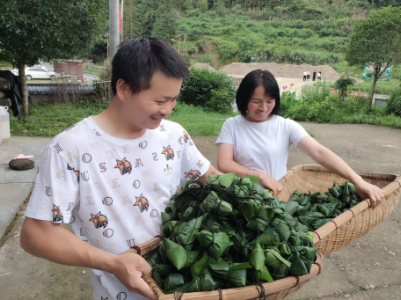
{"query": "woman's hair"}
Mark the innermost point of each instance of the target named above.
(248, 85)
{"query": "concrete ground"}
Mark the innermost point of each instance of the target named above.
(369, 268)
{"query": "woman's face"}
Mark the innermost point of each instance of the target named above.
(260, 106)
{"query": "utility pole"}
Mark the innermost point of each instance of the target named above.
(113, 27)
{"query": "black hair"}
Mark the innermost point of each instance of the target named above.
(138, 59)
(248, 85)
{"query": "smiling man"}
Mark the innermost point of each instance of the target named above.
(111, 175)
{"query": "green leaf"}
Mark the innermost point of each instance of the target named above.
(173, 281)
(226, 180)
(257, 258)
(215, 243)
(199, 267)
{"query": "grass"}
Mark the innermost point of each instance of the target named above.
(91, 71)
(382, 87)
(197, 121)
(49, 120)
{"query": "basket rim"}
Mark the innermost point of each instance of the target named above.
(346, 216)
(268, 287)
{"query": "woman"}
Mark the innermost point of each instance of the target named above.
(257, 142)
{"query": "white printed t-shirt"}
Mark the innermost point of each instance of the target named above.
(262, 146)
(112, 190)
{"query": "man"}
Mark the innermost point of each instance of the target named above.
(111, 175)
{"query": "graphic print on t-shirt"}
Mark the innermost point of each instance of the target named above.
(186, 137)
(75, 171)
(124, 166)
(99, 220)
(57, 214)
(168, 152)
(192, 174)
(142, 203)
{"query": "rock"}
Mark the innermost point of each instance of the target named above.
(21, 164)
(371, 286)
(391, 253)
(347, 295)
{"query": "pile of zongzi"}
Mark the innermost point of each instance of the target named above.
(315, 210)
(229, 233)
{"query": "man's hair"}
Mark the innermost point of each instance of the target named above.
(138, 59)
(248, 85)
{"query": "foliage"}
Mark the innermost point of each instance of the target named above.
(394, 105)
(342, 85)
(376, 40)
(103, 89)
(317, 104)
(34, 30)
(47, 29)
(165, 25)
(208, 89)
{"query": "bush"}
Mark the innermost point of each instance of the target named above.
(342, 85)
(394, 105)
(207, 89)
(222, 101)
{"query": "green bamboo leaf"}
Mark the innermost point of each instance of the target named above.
(298, 267)
(215, 243)
(178, 255)
(199, 267)
(214, 205)
(232, 273)
(226, 180)
(173, 281)
(257, 257)
(269, 238)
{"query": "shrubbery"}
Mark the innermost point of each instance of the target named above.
(211, 90)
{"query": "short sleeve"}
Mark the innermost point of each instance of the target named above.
(226, 134)
(56, 190)
(194, 164)
(295, 131)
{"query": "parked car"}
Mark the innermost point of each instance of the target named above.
(37, 72)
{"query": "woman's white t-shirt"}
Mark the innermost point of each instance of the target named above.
(262, 146)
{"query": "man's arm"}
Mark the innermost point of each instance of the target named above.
(52, 242)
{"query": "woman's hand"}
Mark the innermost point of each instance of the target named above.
(367, 190)
(270, 183)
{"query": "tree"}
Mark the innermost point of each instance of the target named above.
(33, 30)
(342, 85)
(132, 25)
(377, 41)
(165, 26)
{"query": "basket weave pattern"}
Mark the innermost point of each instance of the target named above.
(352, 224)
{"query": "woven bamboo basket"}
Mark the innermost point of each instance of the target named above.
(276, 290)
(352, 224)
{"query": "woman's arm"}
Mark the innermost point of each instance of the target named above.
(335, 164)
(226, 164)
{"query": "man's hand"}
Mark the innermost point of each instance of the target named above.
(270, 183)
(366, 190)
(129, 268)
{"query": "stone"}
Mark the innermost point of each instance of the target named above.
(21, 164)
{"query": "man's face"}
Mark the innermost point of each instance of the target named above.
(146, 109)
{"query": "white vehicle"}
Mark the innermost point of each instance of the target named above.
(37, 72)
